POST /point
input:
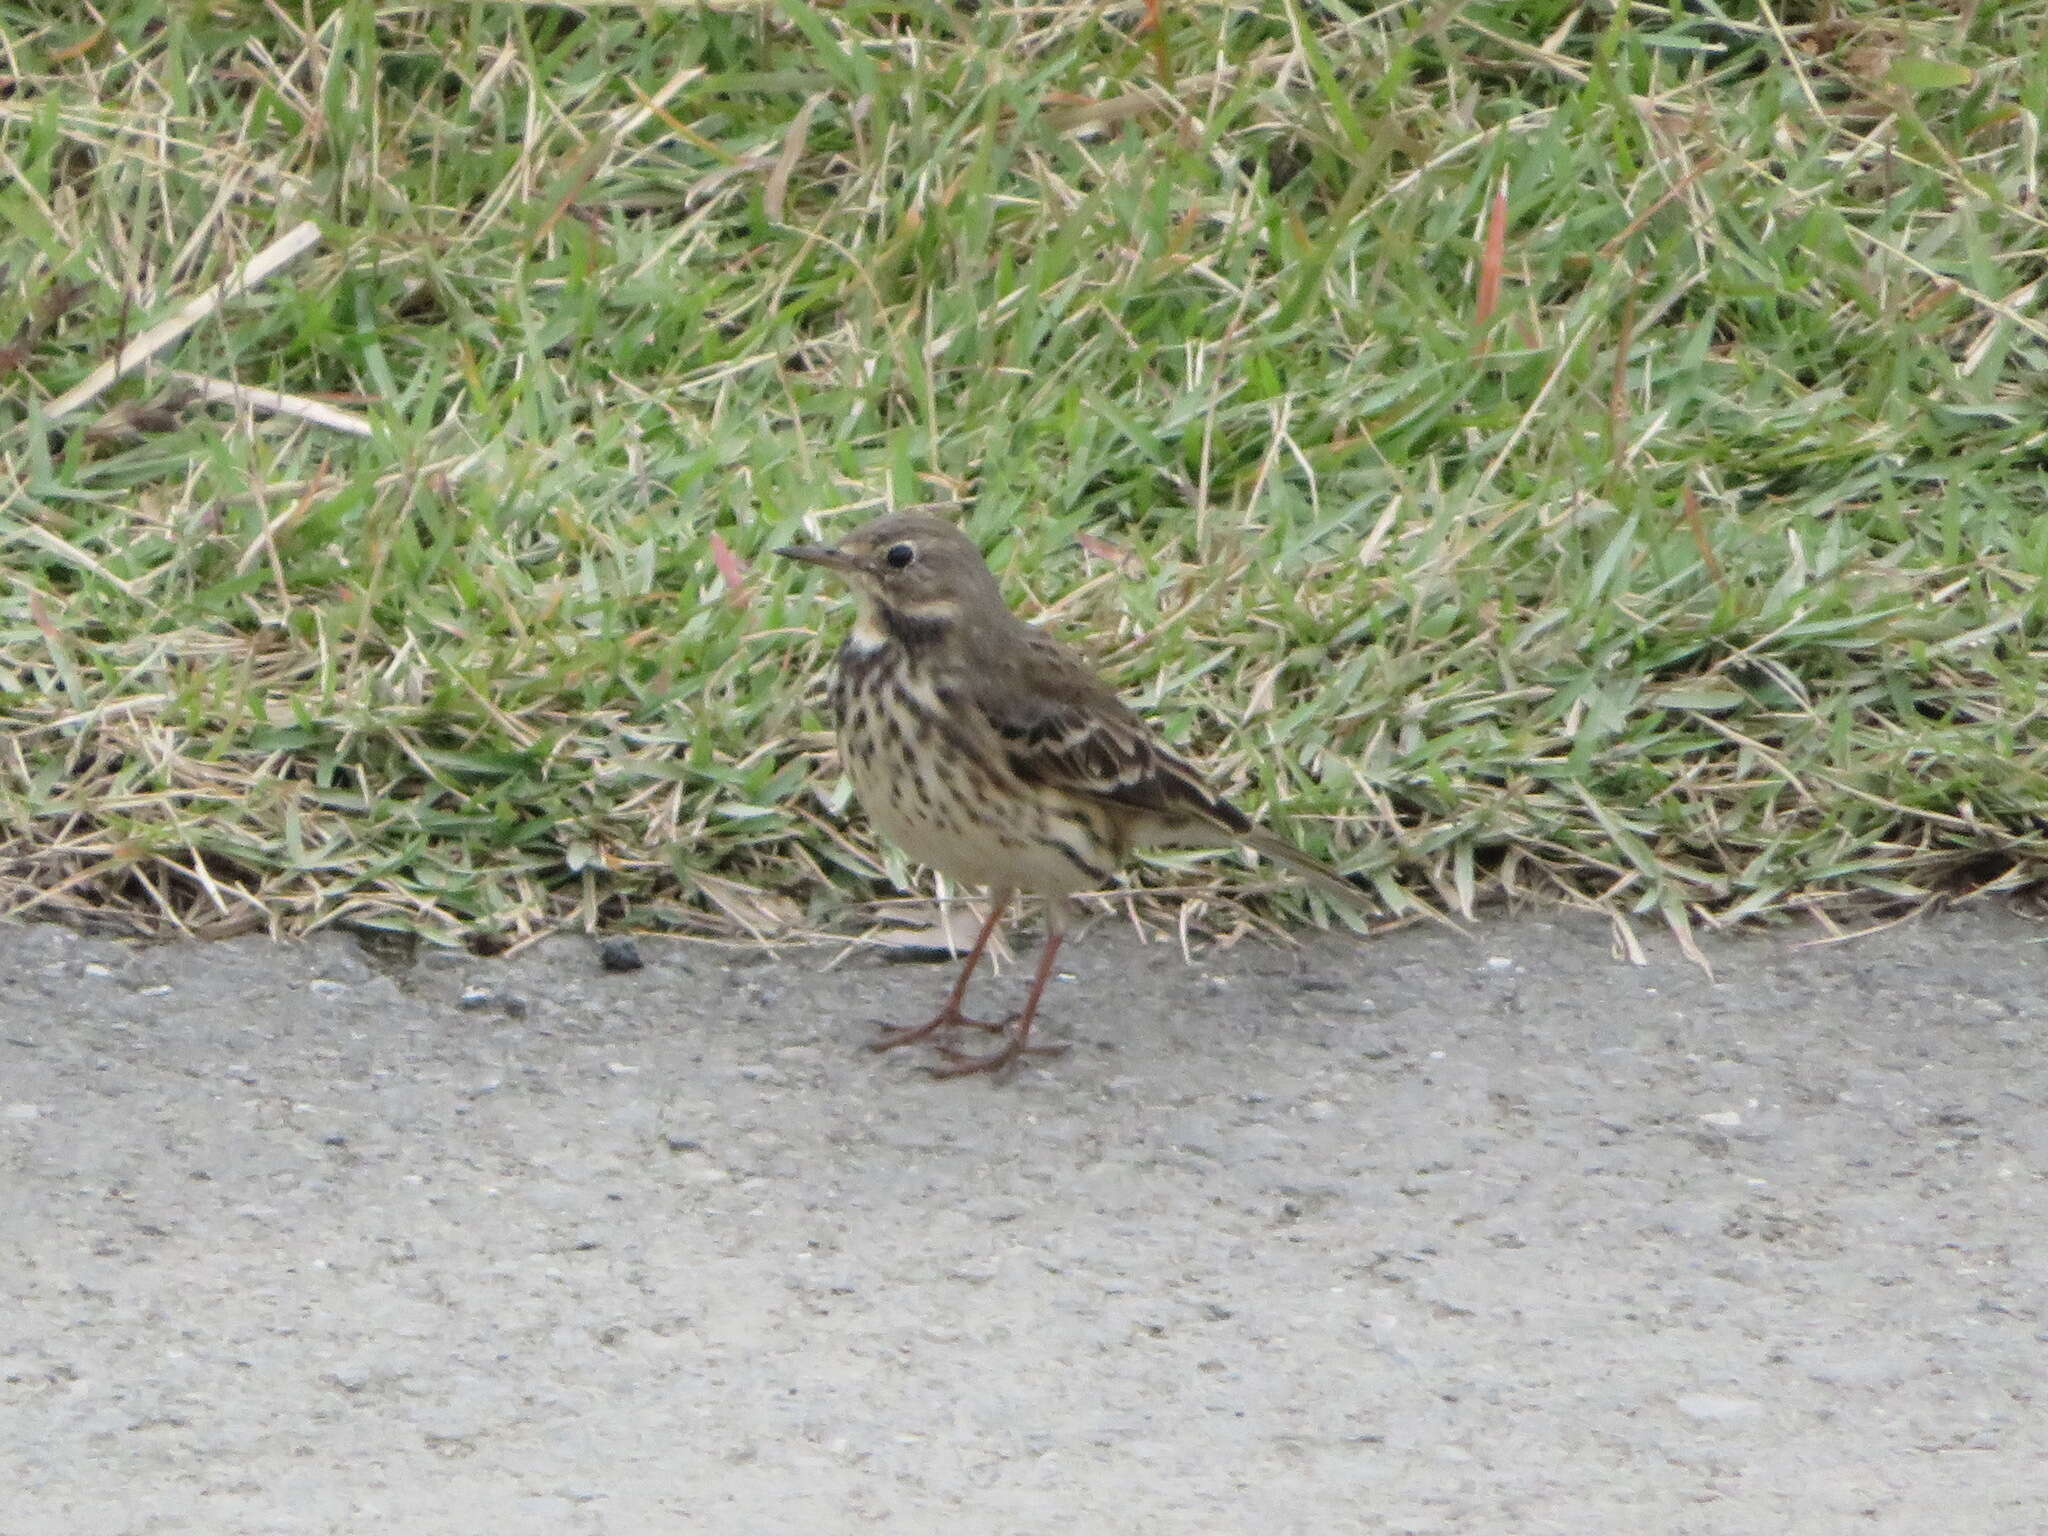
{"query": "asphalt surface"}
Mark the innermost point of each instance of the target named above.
(1405, 1236)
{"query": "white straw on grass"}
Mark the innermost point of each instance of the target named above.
(292, 244)
(224, 392)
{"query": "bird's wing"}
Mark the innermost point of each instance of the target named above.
(1058, 725)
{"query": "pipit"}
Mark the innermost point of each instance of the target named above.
(989, 751)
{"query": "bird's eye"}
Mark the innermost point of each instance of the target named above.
(898, 556)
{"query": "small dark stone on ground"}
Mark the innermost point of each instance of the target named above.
(619, 955)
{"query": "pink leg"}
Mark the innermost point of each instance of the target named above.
(963, 1064)
(950, 1014)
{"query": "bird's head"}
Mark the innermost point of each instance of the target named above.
(909, 565)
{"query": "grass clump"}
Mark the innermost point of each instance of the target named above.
(1543, 447)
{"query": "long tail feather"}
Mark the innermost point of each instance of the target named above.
(1326, 879)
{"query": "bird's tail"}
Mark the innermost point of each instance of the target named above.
(1324, 878)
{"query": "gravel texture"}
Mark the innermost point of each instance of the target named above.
(1415, 1235)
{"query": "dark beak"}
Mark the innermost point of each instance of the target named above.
(819, 554)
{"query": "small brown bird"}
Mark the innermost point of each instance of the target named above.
(992, 753)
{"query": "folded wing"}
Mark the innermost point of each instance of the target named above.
(1060, 727)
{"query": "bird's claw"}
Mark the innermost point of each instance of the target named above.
(961, 1063)
(946, 1019)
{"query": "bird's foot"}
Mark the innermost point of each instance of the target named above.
(947, 1018)
(961, 1063)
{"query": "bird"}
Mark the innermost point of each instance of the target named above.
(986, 749)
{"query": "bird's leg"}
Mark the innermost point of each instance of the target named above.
(961, 1063)
(950, 1014)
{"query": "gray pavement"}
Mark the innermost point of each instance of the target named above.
(1402, 1236)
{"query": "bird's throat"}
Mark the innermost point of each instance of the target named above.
(914, 629)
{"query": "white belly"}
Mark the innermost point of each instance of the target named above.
(961, 833)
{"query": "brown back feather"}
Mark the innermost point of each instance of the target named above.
(1059, 725)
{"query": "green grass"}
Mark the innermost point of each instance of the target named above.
(1703, 580)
